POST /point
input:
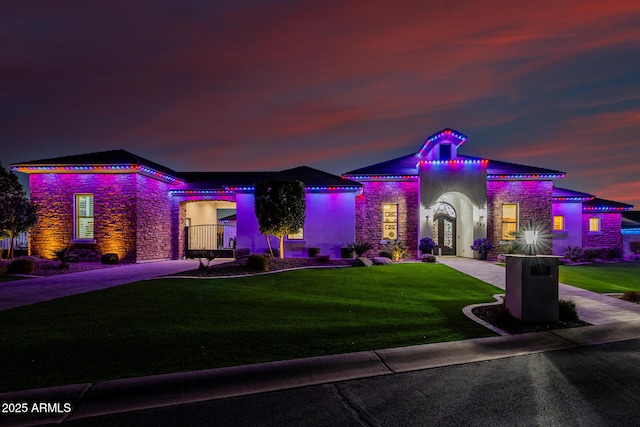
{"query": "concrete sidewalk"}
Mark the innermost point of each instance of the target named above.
(118, 396)
(37, 289)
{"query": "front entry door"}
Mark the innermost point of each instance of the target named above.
(444, 228)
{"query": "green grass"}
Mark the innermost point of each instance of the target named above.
(603, 278)
(173, 325)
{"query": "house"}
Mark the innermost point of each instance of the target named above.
(117, 202)
(631, 233)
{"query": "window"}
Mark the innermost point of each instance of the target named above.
(558, 223)
(296, 236)
(84, 216)
(594, 224)
(509, 221)
(389, 221)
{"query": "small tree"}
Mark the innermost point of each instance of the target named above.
(17, 213)
(280, 209)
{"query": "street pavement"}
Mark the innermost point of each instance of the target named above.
(472, 378)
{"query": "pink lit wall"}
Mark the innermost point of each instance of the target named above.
(369, 214)
(609, 234)
(114, 212)
(534, 203)
(153, 218)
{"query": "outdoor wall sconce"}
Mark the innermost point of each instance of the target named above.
(429, 212)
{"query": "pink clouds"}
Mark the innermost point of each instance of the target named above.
(244, 85)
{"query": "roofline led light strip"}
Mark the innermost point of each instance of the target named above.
(381, 177)
(571, 199)
(446, 132)
(455, 162)
(308, 188)
(193, 192)
(526, 176)
(630, 231)
(606, 208)
(97, 169)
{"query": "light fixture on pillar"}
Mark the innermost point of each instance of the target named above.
(429, 213)
(531, 238)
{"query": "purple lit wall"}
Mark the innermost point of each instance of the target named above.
(572, 233)
(329, 224)
(369, 213)
(153, 234)
(534, 203)
(609, 234)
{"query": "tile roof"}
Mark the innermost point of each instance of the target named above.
(564, 193)
(602, 205)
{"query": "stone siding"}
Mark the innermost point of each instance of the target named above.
(153, 240)
(534, 199)
(609, 235)
(115, 219)
(369, 213)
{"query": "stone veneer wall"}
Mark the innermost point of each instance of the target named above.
(609, 234)
(369, 213)
(153, 240)
(114, 213)
(534, 203)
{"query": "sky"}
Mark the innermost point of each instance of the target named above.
(337, 85)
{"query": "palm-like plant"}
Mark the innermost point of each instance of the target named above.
(360, 248)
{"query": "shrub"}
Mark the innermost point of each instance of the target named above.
(258, 262)
(63, 255)
(112, 259)
(635, 247)
(3, 269)
(208, 255)
(398, 251)
(590, 254)
(612, 253)
(631, 296)
(429, 258)
(360, 248)
(346, 252)
(1, 251)
(567, 311)
(22, 266)
(482, 245)
(322, 258)
(427, 245)
(242, 253)
(573, 253)
(312, 252)
(386, 254)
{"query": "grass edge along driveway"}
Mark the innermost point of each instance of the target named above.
(176, 325)
(603, 277)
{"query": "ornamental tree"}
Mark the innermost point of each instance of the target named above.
(17, 212)
(280, 209)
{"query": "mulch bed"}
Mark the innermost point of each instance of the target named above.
(498, 316)
(239, 266)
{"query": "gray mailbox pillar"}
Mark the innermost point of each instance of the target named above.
(532, 287)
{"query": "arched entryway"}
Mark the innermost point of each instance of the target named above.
(444, 228)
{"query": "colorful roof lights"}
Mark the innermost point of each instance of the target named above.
(194, 192)
(455, 162)
(308, 188)
(606, 208)
(457, 137)
(572, 199)
(98, 169)
(630, 231)
(526, 176)
(381, 177)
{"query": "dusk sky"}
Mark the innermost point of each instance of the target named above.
(336, 85)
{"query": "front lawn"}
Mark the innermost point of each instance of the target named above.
(603, 277)
(172, 325)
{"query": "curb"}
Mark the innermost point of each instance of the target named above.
(125, 395)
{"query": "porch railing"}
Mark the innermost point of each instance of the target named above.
(21, 242)
(210, 237)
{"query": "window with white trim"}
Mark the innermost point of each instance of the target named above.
(84, 216)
